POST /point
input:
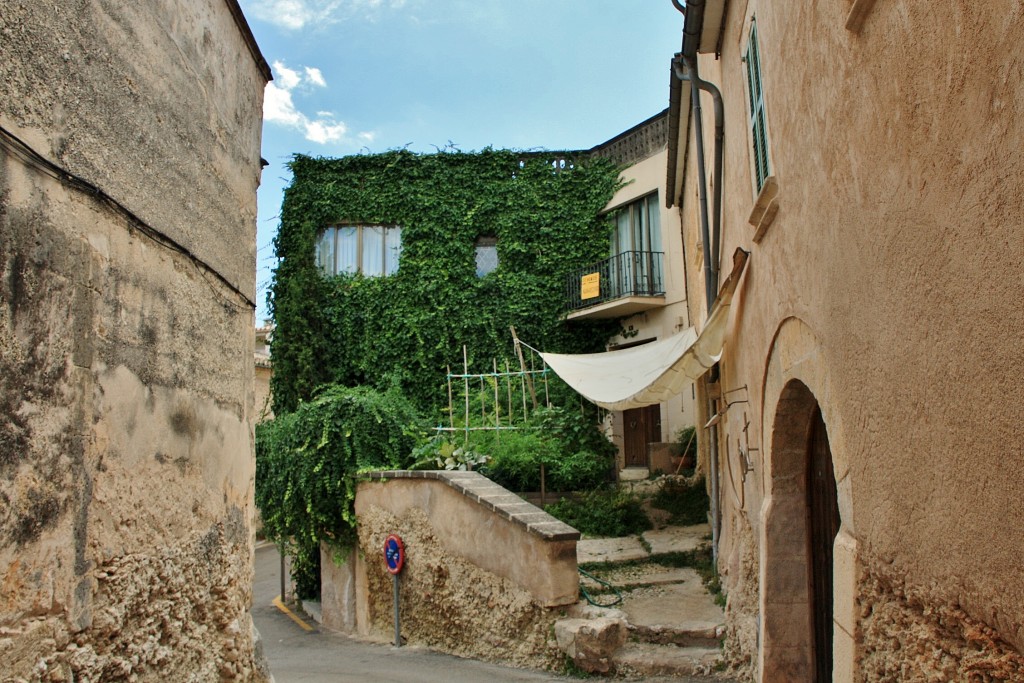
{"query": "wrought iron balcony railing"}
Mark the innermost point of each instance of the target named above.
(631, 273)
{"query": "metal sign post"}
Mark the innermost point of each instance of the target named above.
(394, 558)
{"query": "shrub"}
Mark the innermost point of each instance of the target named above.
(307, 464)
(602, 512)
(580, 471)
(686, 500)
(516, 457)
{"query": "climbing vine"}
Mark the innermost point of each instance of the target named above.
(405, 329)
(308, 462)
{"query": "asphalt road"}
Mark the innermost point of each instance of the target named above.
(297, 655)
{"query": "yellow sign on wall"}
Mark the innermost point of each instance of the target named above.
(590, 286)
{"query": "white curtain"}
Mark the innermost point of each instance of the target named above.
(348, 250)
(393, 237)
(373, 250)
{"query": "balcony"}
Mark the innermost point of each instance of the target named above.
(619, 286)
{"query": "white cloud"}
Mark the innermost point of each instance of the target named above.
(325, 131)
(279, 107)
(297, 14)
(314, 76)
(289, 78)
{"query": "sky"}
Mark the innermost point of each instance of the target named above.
(367, 76)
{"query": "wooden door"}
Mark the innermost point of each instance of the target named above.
(641, 427)
(823, 517)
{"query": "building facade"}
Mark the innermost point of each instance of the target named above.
(129, 161)
(864, 418)
(643, 284)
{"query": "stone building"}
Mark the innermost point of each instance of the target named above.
(264, 369)
(865, 417)
(129, 161)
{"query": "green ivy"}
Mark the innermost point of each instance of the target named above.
(407, 328)
(307, 465)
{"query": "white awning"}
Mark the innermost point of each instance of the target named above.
(652, 373)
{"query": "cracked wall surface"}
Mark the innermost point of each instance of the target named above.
(126, 452)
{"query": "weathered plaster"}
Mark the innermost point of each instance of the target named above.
(897, 241)
(126, 445)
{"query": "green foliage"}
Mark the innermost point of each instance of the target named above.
(440, 453)
(603, 512)
(410, 326)
(686, 442)
(575, 454)
(686, 499)
(516, 458)
(307, 464)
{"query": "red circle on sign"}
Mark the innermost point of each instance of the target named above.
(394, 554)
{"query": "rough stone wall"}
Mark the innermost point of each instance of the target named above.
(911, 635)
(898, 242)
(449, 604)
(126, 386)
(739, 571)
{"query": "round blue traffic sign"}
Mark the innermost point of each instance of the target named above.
(394, 554)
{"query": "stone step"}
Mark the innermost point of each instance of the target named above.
(647, 659)
(680, 636)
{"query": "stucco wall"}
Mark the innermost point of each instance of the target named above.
(126, 458)
(641, 179)
(486, 574)
(898, 245)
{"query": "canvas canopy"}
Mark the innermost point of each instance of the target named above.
(652, 373)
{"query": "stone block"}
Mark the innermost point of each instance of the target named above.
(845, 579)
(591, 643)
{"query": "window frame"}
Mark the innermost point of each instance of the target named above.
(489, 242)
(653, 242)
(758, 119)
(388, 266)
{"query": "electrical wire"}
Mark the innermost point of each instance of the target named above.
(28, 155)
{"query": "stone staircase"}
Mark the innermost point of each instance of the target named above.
(666, 625)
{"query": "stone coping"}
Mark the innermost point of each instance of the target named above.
(479, 488)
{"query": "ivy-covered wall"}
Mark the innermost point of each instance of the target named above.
(407, 327)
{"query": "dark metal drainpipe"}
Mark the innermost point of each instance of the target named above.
(702, 184)
(712, 246)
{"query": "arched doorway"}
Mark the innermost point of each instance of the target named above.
(800, 526)
(823, 525)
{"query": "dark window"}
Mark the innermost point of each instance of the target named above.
(486, 255)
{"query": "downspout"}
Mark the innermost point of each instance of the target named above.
(710, 285)
(688, 71)
(712, 255)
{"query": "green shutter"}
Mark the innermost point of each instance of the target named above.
(758, 127)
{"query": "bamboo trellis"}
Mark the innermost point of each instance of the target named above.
(499, 410)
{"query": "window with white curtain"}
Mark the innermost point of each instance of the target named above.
(372, 250)
(486, 255)
(637, 226)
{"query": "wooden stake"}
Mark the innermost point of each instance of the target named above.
(451, 406)
(497, 403)
(465, 377)
(508, 386)
(522, 366)
(547, 398)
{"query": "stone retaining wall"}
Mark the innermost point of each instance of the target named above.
(485, 572)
